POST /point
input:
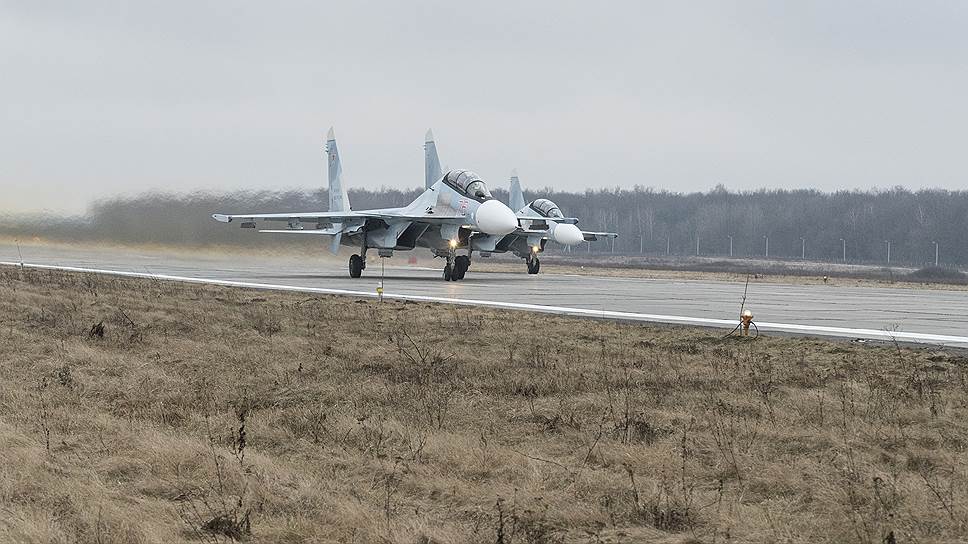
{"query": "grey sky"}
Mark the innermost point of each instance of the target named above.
(99, 99)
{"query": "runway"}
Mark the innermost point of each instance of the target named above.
(932, 316)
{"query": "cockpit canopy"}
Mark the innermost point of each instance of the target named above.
(469, 183)
(546, 208)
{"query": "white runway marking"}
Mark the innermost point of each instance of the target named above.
(819, 330)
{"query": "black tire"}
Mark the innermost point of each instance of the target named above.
(356, 266)
(537, 265)
(448, 273)
(461, 264)
(533, 266)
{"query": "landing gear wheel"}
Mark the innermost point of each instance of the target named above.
(449, 273)
(534, 265)
(356, 266)
(461, 264)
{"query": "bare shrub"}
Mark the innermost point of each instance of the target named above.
(529, 525)
(222, 514)
(129, 332)
(433, 376)
(97, 330)
(266, 323)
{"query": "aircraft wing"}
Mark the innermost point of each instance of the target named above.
(334, 217)
(295, 218)
(593, 236)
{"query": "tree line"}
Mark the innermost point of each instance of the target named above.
(789, 223)
(794, 223)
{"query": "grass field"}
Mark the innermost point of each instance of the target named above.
(147, 411)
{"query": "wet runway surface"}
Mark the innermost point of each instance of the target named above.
(933, 313)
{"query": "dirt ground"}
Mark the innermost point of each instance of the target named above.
(148, 411)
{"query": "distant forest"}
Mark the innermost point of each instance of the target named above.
(811, 223)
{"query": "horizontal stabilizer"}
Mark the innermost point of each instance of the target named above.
(593, 236)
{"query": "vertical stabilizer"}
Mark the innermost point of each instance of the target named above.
(339, 201)
(432, 171)
(517, 202)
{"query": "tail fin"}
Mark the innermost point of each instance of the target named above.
(339, 201)
(517, 202)
(432, 171)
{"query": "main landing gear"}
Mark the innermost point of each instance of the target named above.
(456, 267)
(357, 265)
(358, 262)
(534, 265)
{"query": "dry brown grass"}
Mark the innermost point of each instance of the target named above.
(199, 413)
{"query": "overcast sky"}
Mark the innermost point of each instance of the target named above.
(98, 99)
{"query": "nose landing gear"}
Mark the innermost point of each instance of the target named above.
(456, 267)
(449, 270)
(534, 265)
(461, 264)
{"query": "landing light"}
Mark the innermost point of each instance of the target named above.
(453, 244)
(535, 249)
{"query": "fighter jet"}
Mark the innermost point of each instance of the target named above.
(451, 214)
(540, 220)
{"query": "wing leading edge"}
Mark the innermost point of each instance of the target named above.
(344, 217)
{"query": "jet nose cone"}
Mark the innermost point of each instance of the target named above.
(568, 235)
(493, 217)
